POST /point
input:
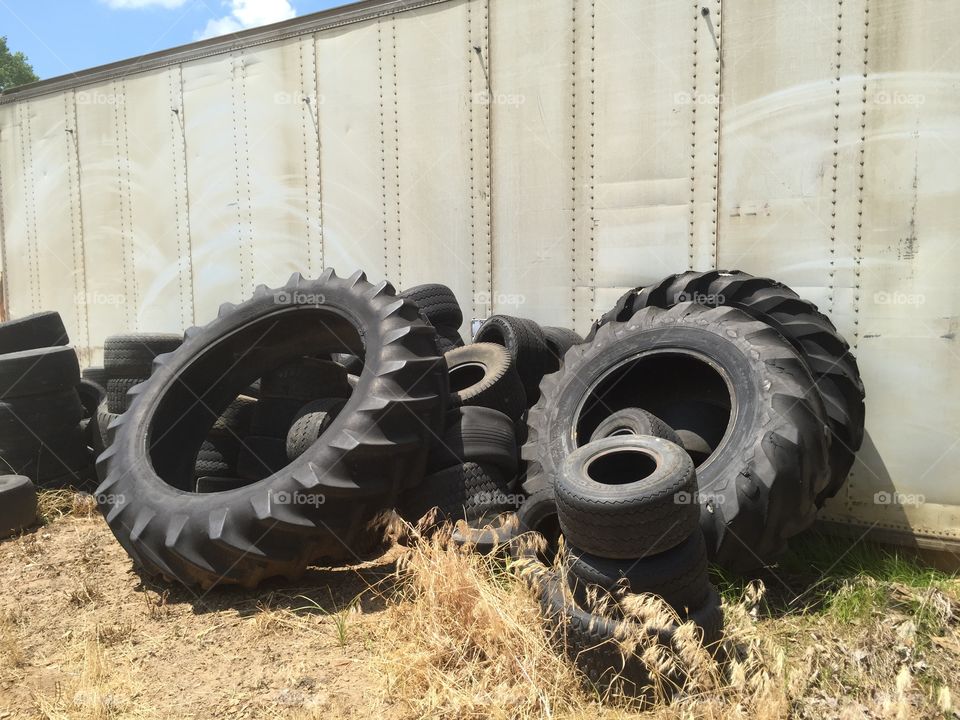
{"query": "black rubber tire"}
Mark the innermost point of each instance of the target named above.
(483, 375)
(558, 340)
(131, 356)
(437, 303)
(96, 375)
(118, 398)
(50, 457)
(31, 418)
(90, 395)
(40, 330)
(353, 364)
(480, 435)
(604, 512)
(38, 371)
(448, 339)
(635, 421)
(18, 504)
(757, 489)
(525, 342)
(815, 338)
(488, 534)
(377, 446)
(305, 380)
(218, 456)
(106, 427)
(462, 492)
(214, 484)
(678, 575)
(236, 420)
(310, 422)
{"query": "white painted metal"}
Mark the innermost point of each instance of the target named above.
(539, 157)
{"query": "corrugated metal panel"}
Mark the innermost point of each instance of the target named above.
(540, 157)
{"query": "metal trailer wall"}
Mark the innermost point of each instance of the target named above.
(539, 156)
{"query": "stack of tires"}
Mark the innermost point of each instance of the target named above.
(41, 412)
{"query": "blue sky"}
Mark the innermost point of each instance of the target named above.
(63, 36)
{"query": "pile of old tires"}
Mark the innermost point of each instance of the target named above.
(705, 418)
(45, 410)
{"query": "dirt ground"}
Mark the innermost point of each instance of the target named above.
(83, 636)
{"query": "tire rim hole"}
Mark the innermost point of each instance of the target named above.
(621, 467)
(466, 376)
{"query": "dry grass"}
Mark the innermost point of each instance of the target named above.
(55, 504)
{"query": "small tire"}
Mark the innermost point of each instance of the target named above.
(18, 503)
(627, 497)
(524, 340)
(131, 356)
(118, 400)
(96, 375)
(635, 421)
(558, 341)
(484, 375)
(236, 419)
(678, 575)
(477, 434)
(310, 422)
(217, 456)
(40, 330)
(437, 304)
(462, 492)
(38, 371)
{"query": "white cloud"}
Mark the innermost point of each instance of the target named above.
(136, 4)
(243, 14)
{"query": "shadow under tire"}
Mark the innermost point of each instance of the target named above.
(313, 507)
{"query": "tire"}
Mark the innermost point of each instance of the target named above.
(483, 375)
(678, 575)
(41, 330)
(90, 396)
(757, 488)
(438, 305)
(106, 428)
(448, 339)
(38, 372)
(488, 534)
(810, 332)
(463, 492)
(377, 446)
(49, 457)
(479, 435)
(34, 417)
(310, 422)
(131, 356)
(305, 380)
(558, 340)
(524, 340)
(118, 399)
(96, 375)
(213, 484)
(236, 419)
(18, 504)
(635, 421)
(218, 456)
(351, 363)
(627, 497)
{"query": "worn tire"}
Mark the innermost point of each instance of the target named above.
(106, 428)
(65, 454)
(480, 435)
(38, 371)
(217, 456)
(448, 339)
(31, 418)
(757, 488)
(131, 356)
(18, 503)
(377, 446)
(235, 420)
(484, 375)
(90, 396)
(604, 511)
(40, 330)
(437, 303)
(635, 421)
(462, 492)
(524, 340)
(118, 398)
(310, 422)
(678, 575)
(558, 340)
(96, 375)
(815, 338)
